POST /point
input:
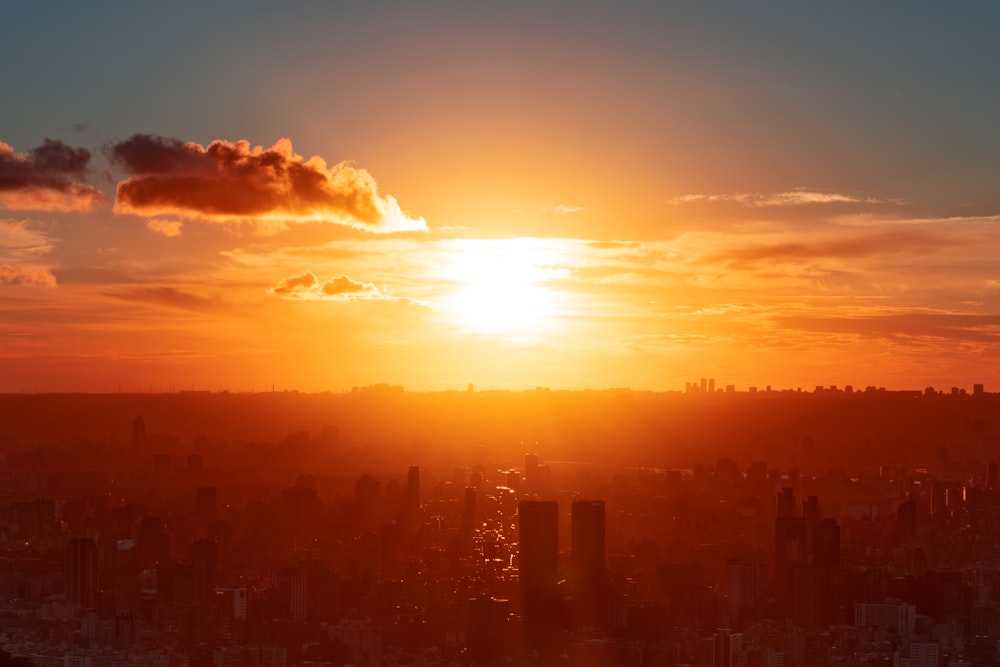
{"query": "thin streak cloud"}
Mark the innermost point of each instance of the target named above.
(775, 199)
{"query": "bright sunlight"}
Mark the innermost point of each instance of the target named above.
(499, 286)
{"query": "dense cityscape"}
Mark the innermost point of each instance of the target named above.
(708, 527)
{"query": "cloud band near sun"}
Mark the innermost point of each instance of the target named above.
(230, 181)
(307, 287)
(50, 177)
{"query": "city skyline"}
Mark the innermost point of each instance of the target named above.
(576, 196)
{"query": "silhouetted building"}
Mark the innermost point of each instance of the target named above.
(468, 521)
(290, 588)
(786, 503)
(826, 545)
(531, 470)
(205, 559)
(892, 615)
(367, 490)
(152, 543)
(790, 549)
(487, 629)
(726, 648)
(906, 521)
(413, 489)
(538, 554)
(126, 630)
(745, 587)
(81, 572)
(588, 519)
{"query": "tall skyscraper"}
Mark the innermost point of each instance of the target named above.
(531, 470)
(588, 521)
(786, 502)
(80, 568)
(726, 648)
(826, 545)
(538, 554)
(906, 521)
(790, 554)
(205, 559)
(468, 521)
(152, 542)
(745, 586)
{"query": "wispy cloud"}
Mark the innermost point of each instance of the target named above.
(170, 296)
(232, 181)
(306, 286)
(562, 209)
(169, 228)
(849, 247)
(50, 177)
(26, 275)
(787, 198)
(22, 252)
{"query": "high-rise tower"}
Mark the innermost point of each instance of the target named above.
(588, 517)
(538, 554)
(80, 568)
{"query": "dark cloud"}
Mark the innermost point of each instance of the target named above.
(47, 178)
(232, 181)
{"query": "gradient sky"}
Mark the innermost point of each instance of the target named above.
(570, 194)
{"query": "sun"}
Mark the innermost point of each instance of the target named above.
(500, 287)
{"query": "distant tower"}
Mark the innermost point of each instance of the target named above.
(727, 646)
(468, 521)
(811, 515)
(151, 542)
(826, 545)
(906, 521)
(413, 489)
(790, 553)
(531, 470)
(745, 584)
(538, 553)
(786, 502)
(486, 629)
(366, 494)
(80, 568)
(588, 518)
(138, 431)
(810, 509)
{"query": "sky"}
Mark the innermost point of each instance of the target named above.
(317, 196)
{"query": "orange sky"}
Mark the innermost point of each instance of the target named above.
(512, 197)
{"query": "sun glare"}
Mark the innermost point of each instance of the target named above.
(499, 286)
